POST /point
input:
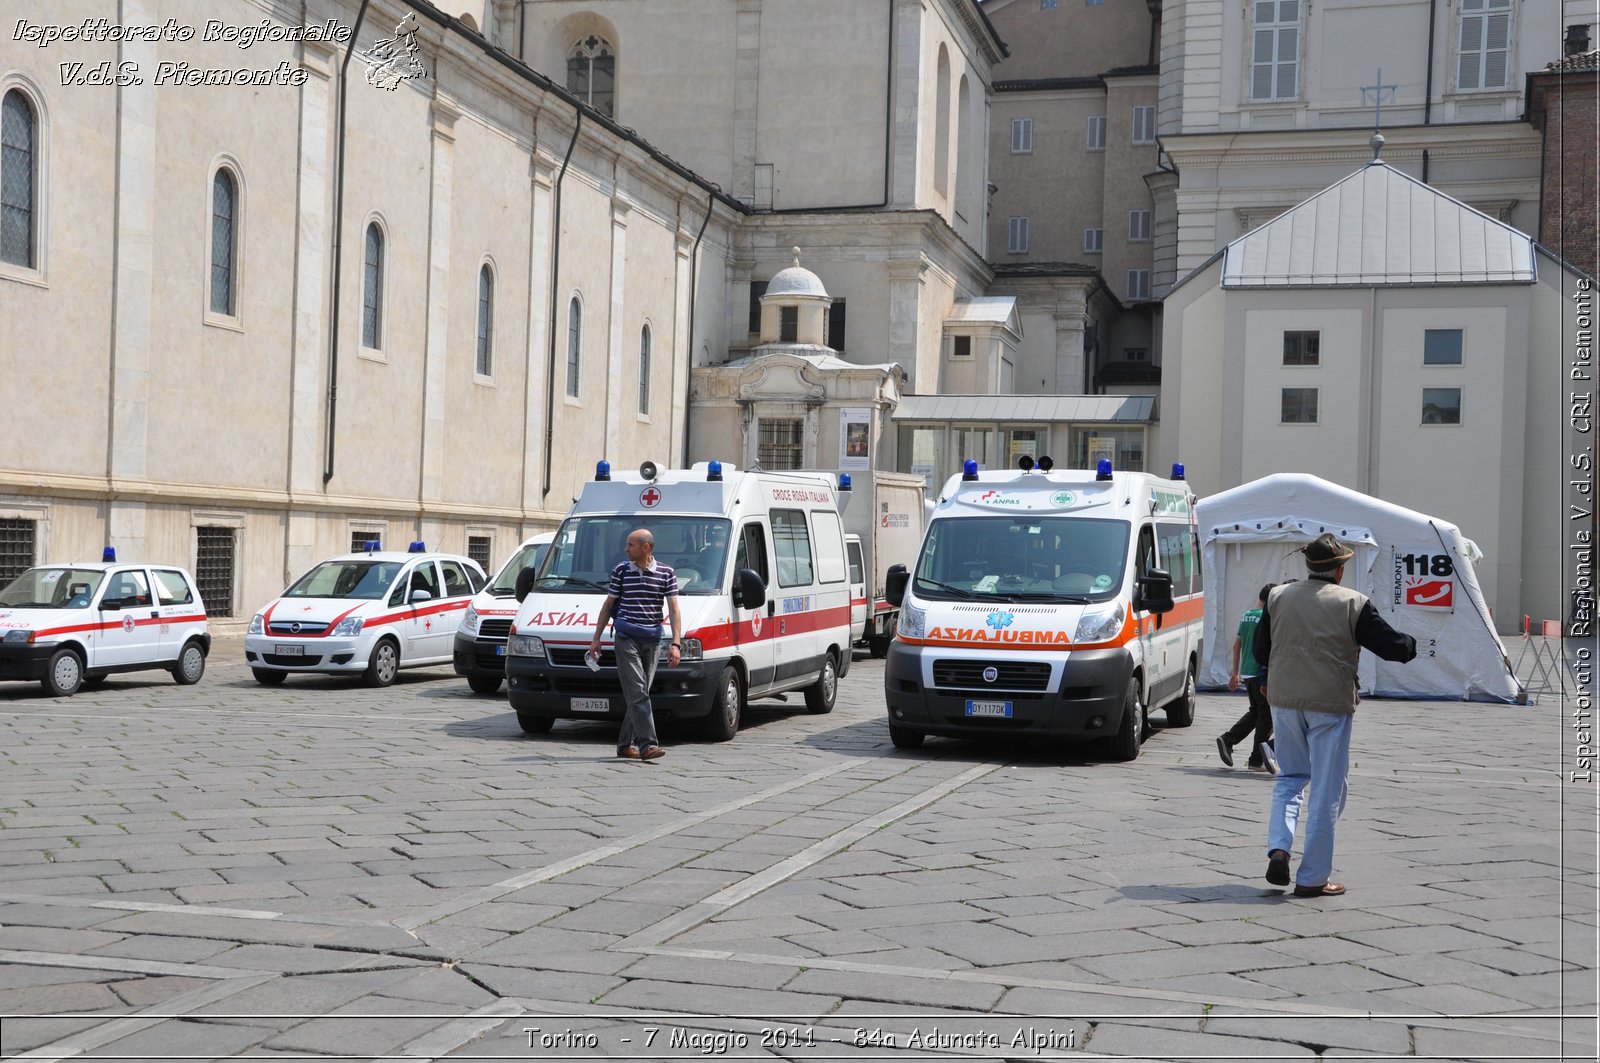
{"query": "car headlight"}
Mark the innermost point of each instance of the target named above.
(913, 621)
(350, 625)
(1100, 625)
(258, 625)
(525, 646)
(469, 621)
(19, 635)
(691, 651)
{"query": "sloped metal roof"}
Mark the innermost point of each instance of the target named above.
(990, 310)
(1379, 226)
(1020, 408)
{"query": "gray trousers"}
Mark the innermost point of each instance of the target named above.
(636, 669)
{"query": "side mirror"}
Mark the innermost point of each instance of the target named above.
(108, 605)
(420, 595)
(748, 590)
(524, 583)
(894, 586)
(1155, 592)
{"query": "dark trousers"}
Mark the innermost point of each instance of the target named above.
(1258, 719)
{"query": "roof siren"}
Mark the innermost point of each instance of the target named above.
(1102, 469)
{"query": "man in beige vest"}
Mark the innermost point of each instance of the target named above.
(1307, 643)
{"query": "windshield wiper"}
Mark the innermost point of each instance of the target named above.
(945, 586)
(1049, 596)
(574, 580)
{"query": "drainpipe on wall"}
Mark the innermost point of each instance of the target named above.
(338, 253)
(694, 273)
(1427, 100)
(555, 281)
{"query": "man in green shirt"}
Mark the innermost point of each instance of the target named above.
(1259, 716)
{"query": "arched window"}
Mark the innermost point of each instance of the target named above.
(644, 370)
(592, 74)
(485, 364)
(574, 344)
(18, 169)
(941, 134)
(224, 234)
(372, 290)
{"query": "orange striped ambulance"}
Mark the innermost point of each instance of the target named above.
(1044, 602)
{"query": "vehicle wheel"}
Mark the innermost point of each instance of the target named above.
(726, 706)
(878, 645)
(64, 674)
(821, 695)
(905, 737)
(1180, 712)
(92, 681)
(535, 725)
(191, 664)
(267, 677)
(484, 684)
(1125, 743)
(384, 665)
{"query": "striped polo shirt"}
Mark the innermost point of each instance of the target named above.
(639, 593)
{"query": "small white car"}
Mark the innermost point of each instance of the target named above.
(480, 646)
(70, 626)
(369, 614)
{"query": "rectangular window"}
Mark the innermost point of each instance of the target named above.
(1144, 124)
(1022, 136)
(1138, 284)
(1441, 346)
(1485, 41)
(478, 548)
(1138, 225)
(1275, 50)
(1302, 348)
(214, 558)
(1047, 5)
(780, 443)
(757, 290)
(1124, 446)
(961, 346)
(1135, 354)
(791, 547)
(1093, 241)
(830, 547)
(836, 325)
(788, 324)
(1096, 133)
(1017, 236)
(18, 542)
(1299, 406)
(172, 588)
(1441, 405)
(365, 539)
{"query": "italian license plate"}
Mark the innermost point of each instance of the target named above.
(290, 651)
(989, 708)
(499, 651)
(591, 705)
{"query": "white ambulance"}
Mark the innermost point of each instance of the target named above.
(369, 614)
(72, 625)
(1049, 603)
(480, 645)
(763, 594)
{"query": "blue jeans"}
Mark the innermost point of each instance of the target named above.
(636, 670)
(1313, 748)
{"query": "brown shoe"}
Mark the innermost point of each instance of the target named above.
(1327, 889)
(652, 753)
(628, 752)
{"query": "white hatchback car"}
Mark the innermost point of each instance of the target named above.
(70, 626)
(371, 614)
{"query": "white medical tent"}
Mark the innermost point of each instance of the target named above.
(1417, 569)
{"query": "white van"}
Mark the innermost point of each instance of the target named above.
(480, 646)
(365, 614)
(760, 560)
(72, 625)
(1049, 603)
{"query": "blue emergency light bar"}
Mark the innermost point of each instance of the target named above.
(602, 470)
(1102, 469)
(418, 546)
(713, 471)
(1177, 470)
(370, 545)
(109, 555)
(969, 470)
(844, 481)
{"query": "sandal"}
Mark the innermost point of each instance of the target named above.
(1327, 889)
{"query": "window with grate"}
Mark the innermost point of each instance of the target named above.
(18, 133)
(372, 290)
(360, 537)
(213, 568)
(780, 444)
(224, 227)
(485, 361)
(574, 345)
(478, 547)
(18, 544)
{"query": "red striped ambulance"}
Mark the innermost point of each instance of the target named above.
(1049, 603)
(72, 625)
(763, 592)
(367, 614)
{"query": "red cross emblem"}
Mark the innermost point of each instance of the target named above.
(427, 625)
(127, 623)
(649, 498)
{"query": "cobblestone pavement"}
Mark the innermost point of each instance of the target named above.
(228, 870)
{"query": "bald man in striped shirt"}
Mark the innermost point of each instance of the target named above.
(633, 605)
